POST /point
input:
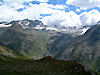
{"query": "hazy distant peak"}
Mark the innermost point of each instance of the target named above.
(16, 25)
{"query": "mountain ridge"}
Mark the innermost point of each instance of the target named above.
(38, 25)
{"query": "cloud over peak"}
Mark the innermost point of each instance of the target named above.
(71, 19)
(55, 14)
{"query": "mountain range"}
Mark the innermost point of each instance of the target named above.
(33, 40)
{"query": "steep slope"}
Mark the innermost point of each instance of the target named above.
(26, 42)
(8, 54)
(3, 29)
(58, 44)
(44, 66)
(84, 49)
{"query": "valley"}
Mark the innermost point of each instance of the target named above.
(33, 45)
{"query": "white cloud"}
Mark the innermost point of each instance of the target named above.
(44, 8)
(84, 3)
(21, 1)
(32, 12)
(58, 6)
(7, 13)
(78, 10)
(63, 19)
(71, 19)
(41, 0)
(90, 18)
(81, 8)
(52, 6)
(16, 5)
(58, 17)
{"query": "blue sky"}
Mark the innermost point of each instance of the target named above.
(52, 12)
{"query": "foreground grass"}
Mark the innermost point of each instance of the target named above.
(45, 66)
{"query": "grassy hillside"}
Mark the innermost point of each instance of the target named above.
(7, 54)
(44, 66)
(13, 64)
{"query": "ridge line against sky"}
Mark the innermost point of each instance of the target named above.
(52, 12)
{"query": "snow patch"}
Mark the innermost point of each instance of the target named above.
(39, 27)
(3, 25)
(50, 28)
(84, 30)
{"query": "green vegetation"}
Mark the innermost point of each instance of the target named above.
(45, 66)
(8, 54)
(14, 64)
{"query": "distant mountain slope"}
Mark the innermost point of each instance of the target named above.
(84, 49)
(33, 43)
(3, 29)
(26, 42)
(44, 66)
(26, 22)
(59, 43)
(8, 54)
